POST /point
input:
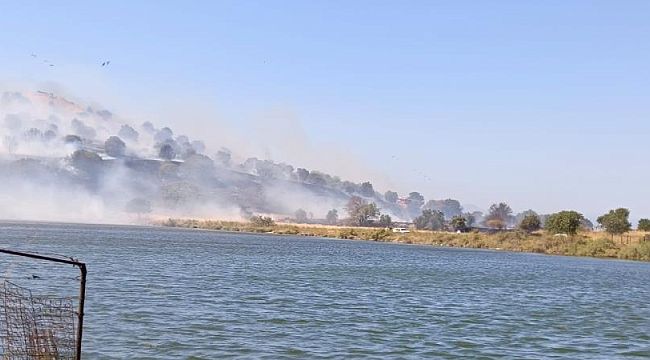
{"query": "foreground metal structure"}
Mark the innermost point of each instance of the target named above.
(40, 327)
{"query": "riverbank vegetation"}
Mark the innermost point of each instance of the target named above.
(633, 246)
(566, 232)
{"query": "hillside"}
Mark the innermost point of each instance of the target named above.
(61, 160)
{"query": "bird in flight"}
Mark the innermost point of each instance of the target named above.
(105, 63)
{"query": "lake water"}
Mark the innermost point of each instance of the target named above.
(157, 293)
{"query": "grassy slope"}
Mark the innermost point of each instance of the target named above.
(586, 244)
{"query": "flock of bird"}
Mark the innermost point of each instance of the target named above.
(47, 62)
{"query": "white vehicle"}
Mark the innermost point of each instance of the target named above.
(401, 230)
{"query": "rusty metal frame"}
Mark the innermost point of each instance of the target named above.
(82, 288)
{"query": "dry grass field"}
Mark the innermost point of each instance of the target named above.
(630, 246)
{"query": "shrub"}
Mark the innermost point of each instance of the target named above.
(380, 235)
(262, 221)
(597, 248)
(530, 223)
(289, 231)
(347, 234)
(459, 223)
(640, 251)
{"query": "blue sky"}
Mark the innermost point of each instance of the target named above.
(541, 104)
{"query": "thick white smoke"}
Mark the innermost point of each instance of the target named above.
(62, 160)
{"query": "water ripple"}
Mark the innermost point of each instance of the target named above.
(181, 294)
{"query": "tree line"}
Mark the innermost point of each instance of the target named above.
(364, 213)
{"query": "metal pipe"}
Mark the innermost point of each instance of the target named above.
(42, 257)
(82, 289)
(80, 315)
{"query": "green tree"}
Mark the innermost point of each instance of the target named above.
(519, 217)
(128, 133)
(361, 212)
(415, 202)
(167, 152)
(564, 222)
(616, 222)
(332, 217)
(88, 163)
(385, 220)
(644, 225)
(530, 223)
(416, 199)
(148, 127)
(473, 218)
(430, 220)
(367, 190)
(448, 207)
(349, 187)
(163, 135)
(316, 178)
(391, 197)
(498, 216)
(301, 216)
(459, 223)
(115, 147)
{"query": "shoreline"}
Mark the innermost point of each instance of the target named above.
(585, 244)
(588, 244)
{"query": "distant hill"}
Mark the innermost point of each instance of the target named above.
(62, 160)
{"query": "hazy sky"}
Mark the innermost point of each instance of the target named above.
(543, 104)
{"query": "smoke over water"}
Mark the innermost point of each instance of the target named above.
(62, 160)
